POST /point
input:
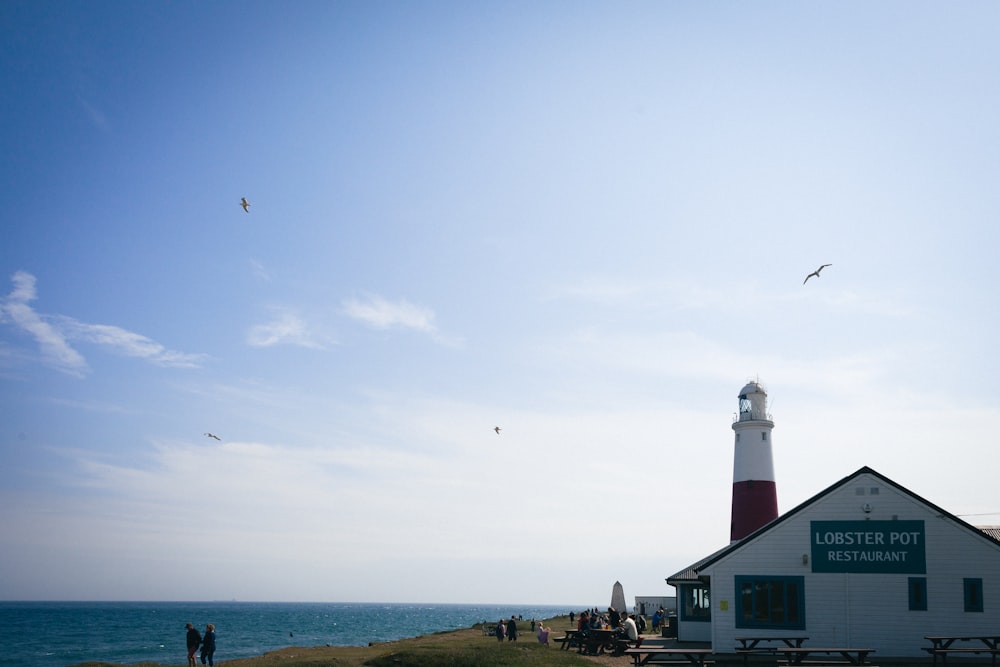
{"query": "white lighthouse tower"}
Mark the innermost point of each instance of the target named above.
(755, 500)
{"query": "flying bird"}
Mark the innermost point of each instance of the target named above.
(245, 204)
(497, 429)
(815, 273)
(212, 435)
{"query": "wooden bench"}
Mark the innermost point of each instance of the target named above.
(801, 655)
(770, 651)
(670, 656)
(964, 651)
(751, 646)
(622, 645)
(568, 640)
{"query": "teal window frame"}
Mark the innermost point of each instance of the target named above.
(770, 602)
(918, 593)
(972, 592)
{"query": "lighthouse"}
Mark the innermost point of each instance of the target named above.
(755, 501)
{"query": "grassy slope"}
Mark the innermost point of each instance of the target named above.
(459, 648)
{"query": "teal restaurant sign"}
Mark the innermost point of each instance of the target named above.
(868, 546)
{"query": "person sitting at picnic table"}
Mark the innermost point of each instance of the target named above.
(628, 629)
(582, 629)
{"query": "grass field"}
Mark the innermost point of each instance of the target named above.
(457, 648)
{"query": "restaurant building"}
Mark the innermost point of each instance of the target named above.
(864, 563)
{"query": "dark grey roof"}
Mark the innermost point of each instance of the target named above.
(690, 574)
(992, 531)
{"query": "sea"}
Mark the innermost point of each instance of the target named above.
(57, 634)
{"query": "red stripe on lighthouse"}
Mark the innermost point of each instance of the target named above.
(755, 503)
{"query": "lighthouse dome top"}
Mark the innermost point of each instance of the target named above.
(752, 388)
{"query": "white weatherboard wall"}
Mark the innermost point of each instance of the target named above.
(868, 610)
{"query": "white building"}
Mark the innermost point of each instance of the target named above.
(864, 563)
(648, 604)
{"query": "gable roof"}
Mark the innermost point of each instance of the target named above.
(992, 531)
(690, 574)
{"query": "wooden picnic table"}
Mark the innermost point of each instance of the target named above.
(748, 643)
(597, 641)
(945, 641)
(796, 655)
(941, 645)
(658, 655)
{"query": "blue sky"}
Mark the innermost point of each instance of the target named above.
(587, 223)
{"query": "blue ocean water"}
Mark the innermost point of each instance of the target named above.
(57, 634)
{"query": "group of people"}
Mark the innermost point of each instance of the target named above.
(624, 625)
(206, 642)
(508, 630)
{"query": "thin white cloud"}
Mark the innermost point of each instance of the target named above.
(380, 313)
(52, 343)
(260, 271)
(97, 117)
(287, 328)
(697, 295)
(128, 343)
(90, 405)
(53, 333)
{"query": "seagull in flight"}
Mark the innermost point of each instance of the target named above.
(497, 429)
(815, 273)
(212, 435)
(245, 204)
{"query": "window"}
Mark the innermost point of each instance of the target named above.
(770, 602)
(696, 603)
(918, 593)
(973, 594)
(763, 436)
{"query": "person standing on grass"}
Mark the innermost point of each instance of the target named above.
(511, 630)
(193, 642)
(499, 630)
(208, 646)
